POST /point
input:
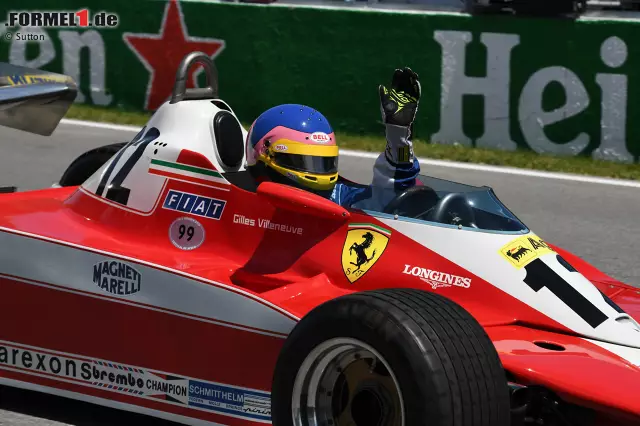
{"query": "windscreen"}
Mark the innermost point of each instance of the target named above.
(439, 201)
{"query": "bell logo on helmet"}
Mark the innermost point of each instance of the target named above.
(320, 137)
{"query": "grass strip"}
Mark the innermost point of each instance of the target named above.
(520, 158)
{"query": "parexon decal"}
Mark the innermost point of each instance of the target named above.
(171, 389)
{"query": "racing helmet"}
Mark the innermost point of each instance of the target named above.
(297, 145)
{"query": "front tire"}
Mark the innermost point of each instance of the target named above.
(397, 357)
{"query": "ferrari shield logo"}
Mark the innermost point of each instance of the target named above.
(363, 246)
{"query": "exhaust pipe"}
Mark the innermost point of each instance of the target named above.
(520, 397)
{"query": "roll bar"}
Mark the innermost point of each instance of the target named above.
(210, 91)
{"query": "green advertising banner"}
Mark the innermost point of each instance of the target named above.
(553, 86)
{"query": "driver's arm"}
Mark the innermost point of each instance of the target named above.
(395, 169)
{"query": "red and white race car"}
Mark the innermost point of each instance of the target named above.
(168, 284)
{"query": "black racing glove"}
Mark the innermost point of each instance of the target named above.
(400, 103)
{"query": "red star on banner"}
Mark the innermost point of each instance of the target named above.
(161, 53)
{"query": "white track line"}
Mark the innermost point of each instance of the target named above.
(423, 161)
(506, 170)
(98, 125)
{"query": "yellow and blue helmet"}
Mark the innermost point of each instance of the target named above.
(296, 142)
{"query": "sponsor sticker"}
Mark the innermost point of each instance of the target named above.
(267, 224)
(228, 399)
(18, 80)
(320, 137)
(116, 277)
(197, 205)
(521, 251)
(186, 233)
(437, 279)
(362, 248)
(137, 381)
(280, 148)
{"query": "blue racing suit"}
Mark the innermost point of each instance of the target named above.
(395, 170)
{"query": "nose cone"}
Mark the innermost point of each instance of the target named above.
(576, 303)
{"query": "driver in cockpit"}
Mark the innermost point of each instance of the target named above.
(295, 145)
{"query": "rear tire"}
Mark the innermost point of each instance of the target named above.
(426, 359)
(88, 163)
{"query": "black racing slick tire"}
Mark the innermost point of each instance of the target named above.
(88, 163)
(394, 357)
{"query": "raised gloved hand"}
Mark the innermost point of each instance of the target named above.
(400, 103)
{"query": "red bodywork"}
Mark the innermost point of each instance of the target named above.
(287, 272)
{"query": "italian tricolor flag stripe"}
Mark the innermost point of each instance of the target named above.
(184, 172)
(370, 226)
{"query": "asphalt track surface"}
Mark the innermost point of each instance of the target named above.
(597, 222)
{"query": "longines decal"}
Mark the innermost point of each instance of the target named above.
(437, 279)
(141, 382)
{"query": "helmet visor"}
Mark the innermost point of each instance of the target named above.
(306, 163)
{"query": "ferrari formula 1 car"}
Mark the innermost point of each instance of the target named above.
(167, 283)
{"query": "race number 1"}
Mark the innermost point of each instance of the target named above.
(540, 275)
(115, 191)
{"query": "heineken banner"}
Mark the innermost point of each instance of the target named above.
(553, 86)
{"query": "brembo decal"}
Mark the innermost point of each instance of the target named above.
(141, 382)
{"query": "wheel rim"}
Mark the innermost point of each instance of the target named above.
(345, 382)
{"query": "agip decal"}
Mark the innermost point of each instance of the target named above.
(140, 382)
(523, 250)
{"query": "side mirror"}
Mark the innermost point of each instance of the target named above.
(300, 201)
